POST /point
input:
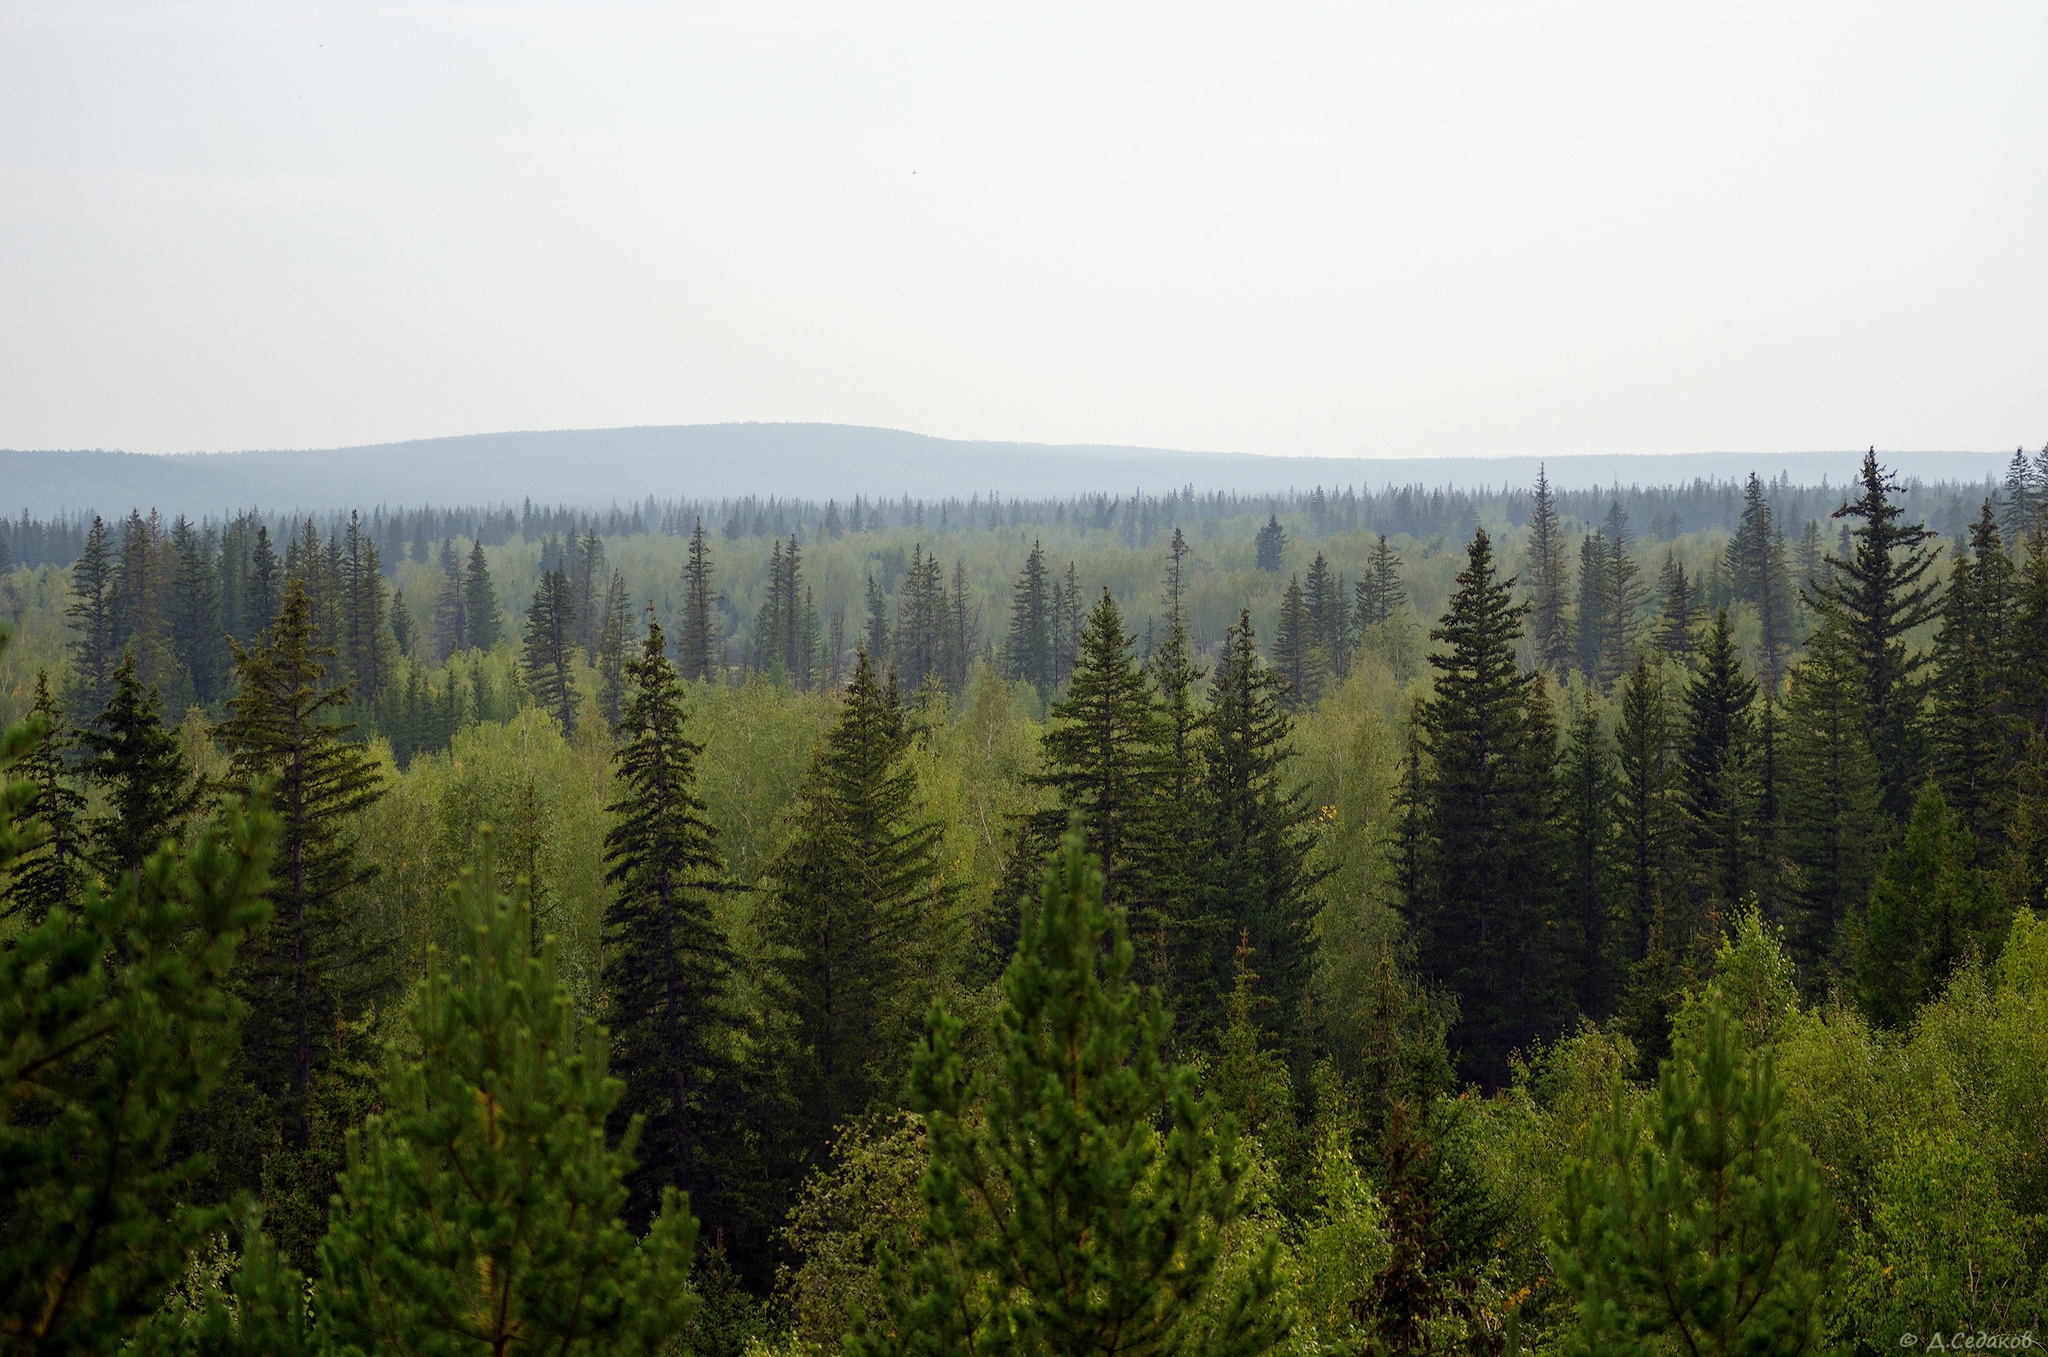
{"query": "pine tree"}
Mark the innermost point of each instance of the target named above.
(140, 767)
(1587, 804)
(1545, 571)
(1932, 911)
(1252, 849)
(1876, 598)
(611, 651)
(1078, 1190)
(668, 964)
(859, 886)
(1482, 911)
(1972, 721)
(480, 614)
(51, 872)
(115, 1023)
(314, 966)
(1294, 654)
(1713, 754)
(1698, 1223)
(1269, 545)
(1831, 798)
(1380, 593)
(697, 647)
(93, 615)
(550, 646)
(1028, 648)
(480, 1208)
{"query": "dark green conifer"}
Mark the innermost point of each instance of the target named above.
(93, 614)
(1329, 617)
(1649, 812)
(1831, 813)
(1545, 570)
(1294, 656)
(1251, 853)
(696, 648)
(1484, 818)
(140, 767)
(856, 897)
(1976, 660)
(611, 651)
(451, 612)
(1269, 545)
(1595, 605)
(1079, 1188)
(1931, 912)
(480, 1211)
(668, 964)
(480, 610)
(586, 591)
(1028, 647)
(1877, 596)
(550, 646)
(877, 642)
(315, 965)
(266, 587)
(1587, 804)
(1714, 753)
(1678, 623)
(51, 872)
(404, 633)
(1380, 592)
(1623, 595)
(197, 637)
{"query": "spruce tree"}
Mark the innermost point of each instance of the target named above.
(1545, 571)
(1758, 575)
(1932, 911)
(878, 619)
(1252, 849)
(266, 587)
(140, 767)
(1484, 818)
(1028, 647)
(404, 632)
(1595, 607)
(1329, 617)
(1714, 750)
(697, 646)
(480, 613)
(1877, 596)
(93, 616)
(611, 651)
(451, 612)
(1380, 592)
(1294, 654)
(667, 962)
(51, 872)
(1176, 669)
(856, 893)
(1831, 799)
(480, 1208)
(1976, 660)
(1587, 805)
(314, 966)
(1649, 811)
(1678, 624)
(197, 637)
(115, 1023)
(1623, 595)
(1269, 544)
(1078, 1188)
(1698, 1223)
(550, 645)
(586, 591)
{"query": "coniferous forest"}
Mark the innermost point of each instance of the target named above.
(1416, 920)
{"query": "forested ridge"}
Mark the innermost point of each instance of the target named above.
(1416, 920)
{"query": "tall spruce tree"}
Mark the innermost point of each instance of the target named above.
(451, 611)
(1294, 654)
(1486, 923)
(93, 616)
(1758, 575)
(1976, 659)
(1269, 544)
(315, 965)
(1251, 861)
(266, 587)
(878, 619)
(1595, 609)
(668, 964)
(1623, 595)
(550, 648)
(51, 872)
(1177, 669)
(858, 890)
(140, 769)
(1380, 592)
(697, 647)
(611, 651)
(1649, 811)
(1028, 648)
(1831, 800)
(1587, 805)
(1078, 1191)
(480, 610)
(1932, 910)
(197, 637)
(1877, 596)
(1714, 753)
(587, 575)
(1329, 617)
(1545, 571)
(1678, 623)
(480, 1208)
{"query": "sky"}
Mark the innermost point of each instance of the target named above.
(1348, 229)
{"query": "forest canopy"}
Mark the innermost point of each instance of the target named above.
(1398, 921)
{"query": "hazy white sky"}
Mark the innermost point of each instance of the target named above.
(1353, 228)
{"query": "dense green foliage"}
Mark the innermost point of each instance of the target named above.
(1462, 857)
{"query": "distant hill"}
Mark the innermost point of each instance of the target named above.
(598, 467)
